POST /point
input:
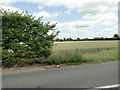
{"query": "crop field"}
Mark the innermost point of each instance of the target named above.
(84, 44)
(89, 51)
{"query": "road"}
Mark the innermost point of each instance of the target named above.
(81, 76)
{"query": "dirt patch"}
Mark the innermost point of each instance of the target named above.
(36, 67)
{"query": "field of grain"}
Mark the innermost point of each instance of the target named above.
(84, 45)
(92, 51)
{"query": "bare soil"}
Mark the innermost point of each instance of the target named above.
(35, 67)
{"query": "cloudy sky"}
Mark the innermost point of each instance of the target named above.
(75, 18)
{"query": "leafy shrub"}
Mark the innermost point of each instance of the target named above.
(19, 27)
(39, 60)
(8, 59)
(22, 63)
(27, 37)
(30, 61)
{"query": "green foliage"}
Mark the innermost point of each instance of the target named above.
(71, 58)
(83, 55)
(76, 57)
(30, 61)
(116, 36)
(22, 63)
(54, 60)
(25, 36)
(39, 60)
(8, 59)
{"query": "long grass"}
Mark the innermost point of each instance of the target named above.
(67, 58)
(90, 52)
(103, 56)
(83, 45)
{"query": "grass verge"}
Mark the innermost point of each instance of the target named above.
(72, 57)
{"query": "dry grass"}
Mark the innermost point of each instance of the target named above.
(92, 51)
(84, 44)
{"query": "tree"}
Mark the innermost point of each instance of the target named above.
(116, 36)
(78, 39)
(64, 39)
(70, 39)
(25, 36)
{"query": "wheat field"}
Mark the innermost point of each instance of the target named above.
(90, 50)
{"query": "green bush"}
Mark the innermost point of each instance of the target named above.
(8, 59)
(64, 59)
(39, 60)
(71, 58)
(22, 63)
(30, 61)
(54, 60)
(76, 57)
(27, 37)
(33, 34)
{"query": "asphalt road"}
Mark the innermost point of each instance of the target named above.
(82, 76)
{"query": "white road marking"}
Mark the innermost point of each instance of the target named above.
(108, 86)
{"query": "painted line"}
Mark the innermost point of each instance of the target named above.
(108, 86)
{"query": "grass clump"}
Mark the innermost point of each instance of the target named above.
(103, 56)
(76, 57)
(70, 58)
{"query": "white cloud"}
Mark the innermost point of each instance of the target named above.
(77, 25)
(40, 7)
(42, 13)
(67, 12)
(10, 8)
(107, 32)
(75, 28)
(97, 7)
(67, 3)
(46, 14)
(106, 19)
(104, 12)
(102, 16)
(7, 2)
(85, 29)
(7, 5)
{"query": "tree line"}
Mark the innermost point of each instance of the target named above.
(115, 37)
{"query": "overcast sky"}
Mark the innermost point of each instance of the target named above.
(75, 18)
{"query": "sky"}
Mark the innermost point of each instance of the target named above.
(74, 18)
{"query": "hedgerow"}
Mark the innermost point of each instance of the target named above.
(23, 36)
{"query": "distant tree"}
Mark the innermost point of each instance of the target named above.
(57, 39)
(98, 38)
(60, 39)
(78, 39)
(86, 39)
(64, 39)
(116, 36)
(67, 39)
(70, 39)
